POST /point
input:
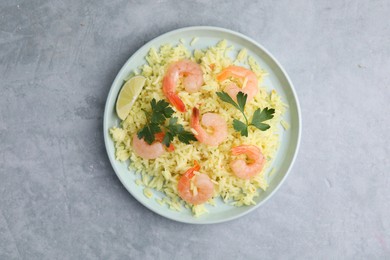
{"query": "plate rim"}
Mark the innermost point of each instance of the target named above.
(258, 45)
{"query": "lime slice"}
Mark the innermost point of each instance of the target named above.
(128, 94)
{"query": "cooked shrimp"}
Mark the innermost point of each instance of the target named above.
(213, 121)
(241, 168)
(193, 80)
(247, 78)
(202, 183)
(145, 150)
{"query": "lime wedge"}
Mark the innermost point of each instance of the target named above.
(128, 94)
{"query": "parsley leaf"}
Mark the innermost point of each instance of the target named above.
(161, 111)
(175, 129)
(148, 132)
(259, 116)
(241, 100)
(262, 115)
(240, 127)
(226, 98)
(186, 137)
(168, 138)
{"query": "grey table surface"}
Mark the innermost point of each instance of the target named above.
(60, 198)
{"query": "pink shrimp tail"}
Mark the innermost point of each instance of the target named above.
(195, 122)
(172, 96)
(250, 150)
(190, 172)
(195, 116)
(241, 149)
(228, 72)
(223, 75)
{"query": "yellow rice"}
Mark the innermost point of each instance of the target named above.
(162, 174)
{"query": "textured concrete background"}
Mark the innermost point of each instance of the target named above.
(60, 198)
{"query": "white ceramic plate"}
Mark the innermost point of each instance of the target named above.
(277, 79)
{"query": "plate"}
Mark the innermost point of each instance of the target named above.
(277, 79)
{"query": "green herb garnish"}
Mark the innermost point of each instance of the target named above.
(259, 116)
(174, 129)
(161, 111)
